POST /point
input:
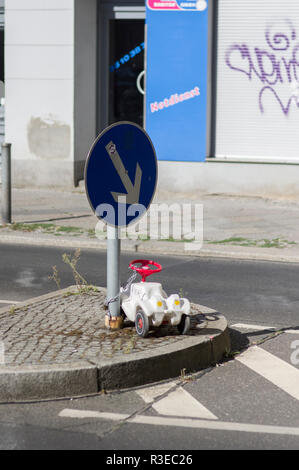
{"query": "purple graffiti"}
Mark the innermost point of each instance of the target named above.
(271, 67)
(285, 109)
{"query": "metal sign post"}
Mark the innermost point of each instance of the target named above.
(120, 182)
(113, 277)
(6, 184)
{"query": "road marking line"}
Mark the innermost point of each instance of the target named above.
(213, 425)
(253, 327)
(181, 403)
(69, 413)
(183, 422)
(9, 302)
(280, 373)
(246, 326)
(149, 394)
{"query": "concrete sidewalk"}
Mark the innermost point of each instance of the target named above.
(238, 227)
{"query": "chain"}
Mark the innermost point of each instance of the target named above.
(123, 288)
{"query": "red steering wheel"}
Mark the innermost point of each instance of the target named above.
(144, 269)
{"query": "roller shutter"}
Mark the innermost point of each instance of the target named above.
(257, 100)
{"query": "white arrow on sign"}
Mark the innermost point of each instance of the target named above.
(133, 190)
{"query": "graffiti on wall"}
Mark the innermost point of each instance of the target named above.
(275, 64)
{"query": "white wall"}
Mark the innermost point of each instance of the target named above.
(223, 177)
(39, 51)
(50, 70)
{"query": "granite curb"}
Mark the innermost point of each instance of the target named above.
(206, 346)
(288, 255)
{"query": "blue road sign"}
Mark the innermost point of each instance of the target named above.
(121, 174)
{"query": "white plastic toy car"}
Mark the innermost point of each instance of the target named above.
(147, 305)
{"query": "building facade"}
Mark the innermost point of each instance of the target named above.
(72, 67)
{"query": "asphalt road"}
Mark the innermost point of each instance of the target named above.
(254, 401)
(244, 291)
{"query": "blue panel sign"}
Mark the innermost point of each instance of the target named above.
(121, 174)
(176, 78)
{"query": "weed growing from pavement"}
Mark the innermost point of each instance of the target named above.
(182, 293)
(130, 345)
(32, 227)
(82, 285)
(228, 354)
(66, 229)
(48, 229)
(55, 277)
(186, 378)
(261, 243)
(59, 230)
(71, 261)
(12, 310)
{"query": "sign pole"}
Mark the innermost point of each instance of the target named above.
(120, 181)
(113, 276)
(6, 184)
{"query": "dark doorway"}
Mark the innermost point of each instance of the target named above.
(126, 70)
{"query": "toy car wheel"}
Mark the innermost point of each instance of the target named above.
(184, 325)
(141, 324)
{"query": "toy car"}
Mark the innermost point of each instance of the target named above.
(147, 305)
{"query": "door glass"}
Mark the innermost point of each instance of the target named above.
(126, 59)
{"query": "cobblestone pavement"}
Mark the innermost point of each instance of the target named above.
(69, 327)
